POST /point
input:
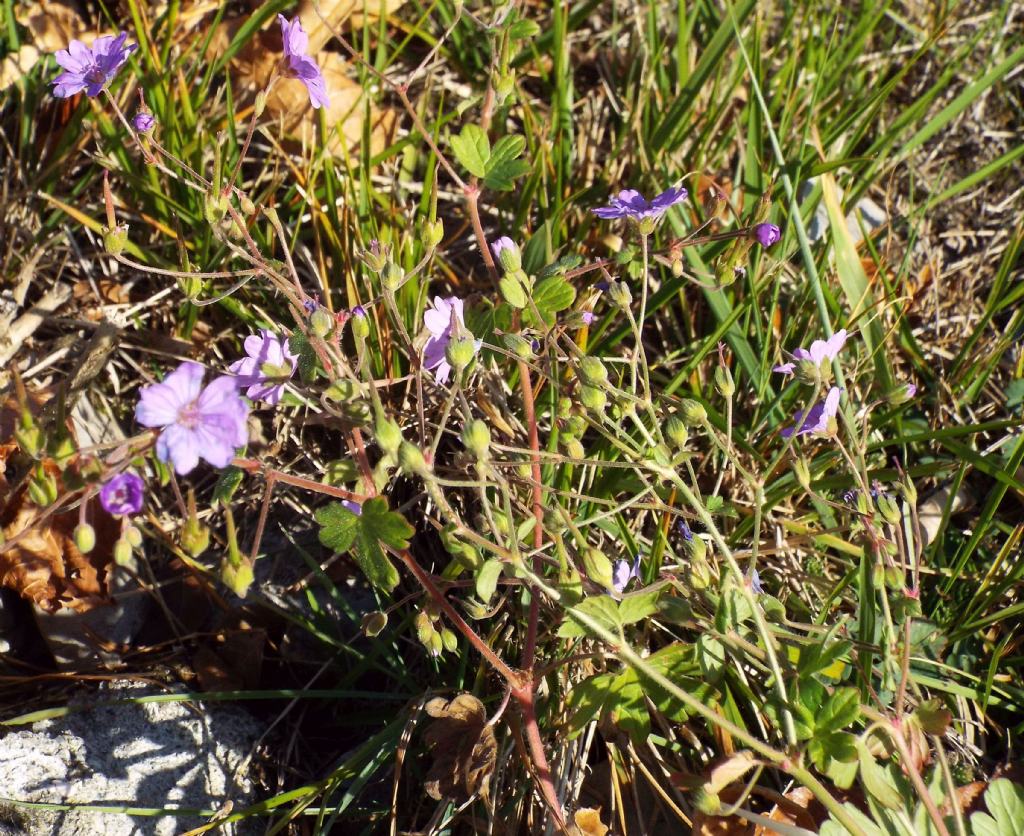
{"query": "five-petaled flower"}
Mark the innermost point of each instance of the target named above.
(623, 573)
(766, 234)
(439, 321)
(817, 419)
(197, 422)
(270, 363)
(122, 494)
(631, 204)
(90, 68)
(299, 65)
(818, 353)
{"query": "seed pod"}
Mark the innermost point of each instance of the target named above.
(85, 537)
(676, 432)
(693, 412)
(477, 438)
(593, 372)
(593, 398)
(411, 461)
(598, 568)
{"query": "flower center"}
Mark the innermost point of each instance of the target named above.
(95, 75)
(189, 416)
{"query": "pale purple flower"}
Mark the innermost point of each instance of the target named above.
(631, 204)
(90, 68)
(623, 573)
(755, 583)
(439, 320)
(197, 423)
(911, 390)
(766, 234)
(817, 418)
(353, 506)
(588, 318)
(819, 351)
(143, 122)
(270, 362)
(122, 494)
(301, 66)
(503, 243)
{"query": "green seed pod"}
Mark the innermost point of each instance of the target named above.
(460, 352)
(598, 568)
(123, 552)
(449, 640)
(115, 240)
(724, 382)
(574, 449)
(676, 432)
(432, 233)
(477, 438)
(411, 461)
(321, 322)
(391, 276)
(195, 537)
(85, 537)
(593, 398)
(693, 412)
(246, 205)
(593, 372)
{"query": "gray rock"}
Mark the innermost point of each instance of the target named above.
(158, 755)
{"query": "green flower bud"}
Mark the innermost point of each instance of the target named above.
(894, 578)
(62, 449)
(574, 449)
(676, 432)
(432, 233)
(889, 509)
(246, 205)
(700, 573)
(434, 645)
(391, 276)
(693, 412)
(507, 252)
(411, 461)
(389, 436)
(237, 577)
(42, 488)
(878, 575)
(373, 623)
(123, 552)
(477, 438)
(214, 208)
(593, 398)
(593, 372)
(460, 352)
(133, 536)
(343, 389)
(321, 322)
(191, 286)
(909, 491)
(598, 568)
(30, 438)
(564, 409)
(724, 381)
(803, 472)
(115, 239)
(575, 425)
(376, 256)
(620, 295)
(809, 372)
(85, 537)
(519, 346)
(449, 640)
(360, 323)
(261, 103)
(195, 537)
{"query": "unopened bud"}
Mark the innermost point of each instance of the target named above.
(676, 432)
(477, 438)
(411, 461)
(435, 646)
(195, 537)
(894, 578)
(432, 233)
(693, 412)
(724, 382)
(246, 204)
(132, 534)
(901, 394)
(42, 488)
(575, 425)
(507, 252)
(321, 322)
(889, 509)
(237, 577)
(909, 491)
(122, 552)
(260, 104)
(391, 276)
(115, 239)
(519, 346)
(360, 323)
(389, 436)
(505, 87)
(598, 568)
(700, 572)
(619, 293)
(460, 352)
(593, 372)
(449, 640)
(30, 438)
(85, 537)
(376, 256)
(574, 449)
(593, 398)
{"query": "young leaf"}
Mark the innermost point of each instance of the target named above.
(601, 608)
(472, 149)
(550, 295)
(300, 345)
(1005, 803)
(487, 579)
(842, 710)
(877, 780)
(636, 606)
(341, 530)
(502, 176)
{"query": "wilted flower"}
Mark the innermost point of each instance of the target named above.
(820, 351)
(122, 494)
(90, 68)
(623, 573)
(439, 322)
(301, 66)
(631, 204)
(766, 234)
(143, 122)
(817, 418)
(270, 362)
(197, 423)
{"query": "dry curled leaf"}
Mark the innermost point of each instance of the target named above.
(17, 65)
(588, 823)
(463, 746)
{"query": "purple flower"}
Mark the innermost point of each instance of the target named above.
(507, 253)
(439, 320)
(269, 364)
(817, 418)
(686, 531)
(143, 122)
(90, 68)
(353, 506)
(766, 234)
(623, 573)
(197, 422)
(911, 390)
(588, 317)
(820, 351)
(632, 204)
(755, 583)
(122, 494)
(301, 66)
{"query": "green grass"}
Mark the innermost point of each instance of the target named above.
(868, 101)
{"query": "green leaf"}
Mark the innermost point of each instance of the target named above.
(300, 345)
(600, 608)
(877, 780)
(472, 149)
(636, 606)
(487, 579)
(227, 483)
(1005, 802)
(523, 29)
(506, 149)
(513, 292)
(341, 530)
(502, 177)
(842, 710)
(551, 295)
(567, 263)
(338, 526)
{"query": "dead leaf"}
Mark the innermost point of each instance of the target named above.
(463, 746)
(110, 292)
(53, 25)
(588, 822)
(339, 14)
(17, 65)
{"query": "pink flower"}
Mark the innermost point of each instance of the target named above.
(629, 203)
(439, 321)
(820, 351)
(197, 423)
(816, 420)
(269, 364)
(301, 66)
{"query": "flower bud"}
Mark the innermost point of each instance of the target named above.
(477, 438)
(321, 322)
(878, 575)
(237, 577)
(411, 461)
(574, 449)
(195, 537)
(360, 323)
(449, 640)
(894, 578)
(460, 352)
(909, 491)
(901, 394)
(122, 552)
(724, 381)
(42, 488)
(575, 425)
(803, 472)
(593, 372)
(115, 239)
(432, 233)
(85, 537)
(376, 256)
(676, 432)
(214, 208)
(519, 346)
(889, 509)
(30, 438)
(434, 645)
(246, 204)
(391, 276)
(507, 253)
(619, 293)
(593, 398)
(389, 436)
(564, 408)
(693, 412)
(700, 573)
(599, 568)
(260, 104)
(341, 390)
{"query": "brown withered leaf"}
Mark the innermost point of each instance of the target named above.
(463, 746)
(17, 65)
(338, 14)
(53, 25)
(588, 822)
